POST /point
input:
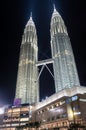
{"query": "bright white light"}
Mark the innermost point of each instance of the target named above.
(30, 107)
(30, 116)
(46, 97)
(56, 110)
(44, 120)
(1, 111)
(77, 113)
(42, 100)
(52, 109)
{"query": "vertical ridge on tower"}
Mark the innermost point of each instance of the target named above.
(27, 89)
(65, 71)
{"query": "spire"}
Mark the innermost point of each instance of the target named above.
(30, 22)
(31, 16)
(54, 7)
(55, 12)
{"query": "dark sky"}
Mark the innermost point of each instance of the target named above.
(14, 15)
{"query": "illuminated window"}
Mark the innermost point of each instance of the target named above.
(7, 124)
(74, 98)
(62, 102)
(57, 104)
(47, 108)
(52, 107)
(82, 100)
(40, 111)
(24, 109)
(24, 119)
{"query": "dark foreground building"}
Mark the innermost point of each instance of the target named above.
(57, 111)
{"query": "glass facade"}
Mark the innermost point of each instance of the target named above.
(58, 112)
(27, 88)
(65, 71)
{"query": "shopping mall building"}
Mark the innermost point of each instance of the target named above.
(57, 111)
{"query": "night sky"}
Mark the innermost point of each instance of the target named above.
(14, 15)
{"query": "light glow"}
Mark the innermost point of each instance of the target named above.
(77, 113)
(1, 110)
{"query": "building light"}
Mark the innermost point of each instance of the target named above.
(44, 120)
(24, 119)
(1, 110)
(82, 100)
(47, 108)
(57, 105)
(41, 111)
(77, 113)
(74, 98)
(62, 102)
(30, 107)
(52, 107)
(46, 97)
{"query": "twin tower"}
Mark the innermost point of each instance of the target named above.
(65, 72)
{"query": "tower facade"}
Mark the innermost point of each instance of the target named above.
(65, 71)
(27, 88)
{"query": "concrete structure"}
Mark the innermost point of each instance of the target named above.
(27, 88)
(65, 72)
(57, 111)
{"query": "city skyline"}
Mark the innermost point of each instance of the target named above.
(9, 73)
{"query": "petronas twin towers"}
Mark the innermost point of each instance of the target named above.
(65, 72)
(27, 88)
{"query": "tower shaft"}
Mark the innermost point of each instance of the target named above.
(27, 89)
(65, 71)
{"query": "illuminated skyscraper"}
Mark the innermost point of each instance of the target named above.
(65, 71)
(27, 88)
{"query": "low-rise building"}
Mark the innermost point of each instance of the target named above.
(58, 111)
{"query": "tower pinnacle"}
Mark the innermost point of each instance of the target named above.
(31, 16)
(30, 22)
(55, 12)
(54, 7)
